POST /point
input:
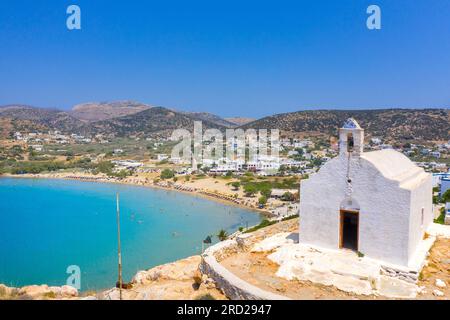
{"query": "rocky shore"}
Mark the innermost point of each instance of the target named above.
(179, 280)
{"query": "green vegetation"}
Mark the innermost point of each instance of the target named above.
(263, 224)
(443, 199)
(32, 167)
(167, 174)
(265, 185)
(105, 167)
(250, 189)
(262, 200)
(206, 296)
(222, 235)
(446, 196)
(236, 185)
(122, 174)
(288, 196)
(290, 217)
(50, 295)
(441, 218)
(35, 167)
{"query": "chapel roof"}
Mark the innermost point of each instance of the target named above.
(396, 166)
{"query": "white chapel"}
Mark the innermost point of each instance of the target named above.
(376, 203)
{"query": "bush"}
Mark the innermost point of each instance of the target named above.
(105, 167)
(167, 174)
(206, 296)
(287, 196)
(34, 167)
(446, 196)
(263, 224)
(266, 192)
(250, 190)
(236, 185)
(222, 235)
(262, 200)
(121, 174)
(441, 218)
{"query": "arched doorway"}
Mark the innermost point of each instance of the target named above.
(349, 225)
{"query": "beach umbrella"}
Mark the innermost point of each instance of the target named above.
(207, 240)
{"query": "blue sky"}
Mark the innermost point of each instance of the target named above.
(232, 58)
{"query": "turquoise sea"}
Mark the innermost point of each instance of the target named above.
(47, 225)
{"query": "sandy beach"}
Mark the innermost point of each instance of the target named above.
(205, 188)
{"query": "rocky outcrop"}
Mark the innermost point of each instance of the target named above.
(180, 280)
(181, 270)
(38, 292)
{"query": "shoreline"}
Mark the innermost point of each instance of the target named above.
(69, 293)
(104, 179)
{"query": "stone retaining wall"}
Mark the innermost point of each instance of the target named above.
(409, 276)
(232, 286)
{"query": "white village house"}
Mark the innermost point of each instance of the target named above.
(377, 203)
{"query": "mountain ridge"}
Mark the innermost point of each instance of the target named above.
(393, 124)
(135, 118)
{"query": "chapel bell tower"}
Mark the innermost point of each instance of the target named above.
(351, 138)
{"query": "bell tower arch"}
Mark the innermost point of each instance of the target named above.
(351, 138)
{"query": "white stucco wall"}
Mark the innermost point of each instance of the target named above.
(384, 219)
(421, 198)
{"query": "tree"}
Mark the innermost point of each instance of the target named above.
(446, 196)
(266, 192)
(262, 200)
(222, 235)
(287, 196)
(167, 174)
(105, 167)
(250, 189)
(122, 174)
(236, 185)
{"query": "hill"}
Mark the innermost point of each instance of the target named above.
(238, 121)
(212, 118)
(133, 118)
(157, 121)
(391, 124)
(28, 118)
(98, 111)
